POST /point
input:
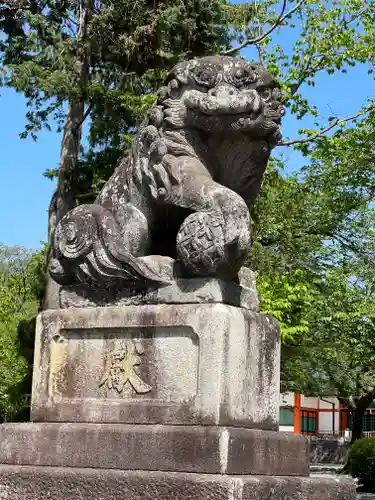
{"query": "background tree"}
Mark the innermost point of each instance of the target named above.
(330, 37)
(337, 357)
(314, 250)
(313, 239)
(21, 286)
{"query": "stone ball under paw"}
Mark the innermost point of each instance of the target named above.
(200, 243)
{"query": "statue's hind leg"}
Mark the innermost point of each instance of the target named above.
(91, 245)
(135, 232)
(131, 215)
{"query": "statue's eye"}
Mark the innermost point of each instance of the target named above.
(244, 75)
(205, 77)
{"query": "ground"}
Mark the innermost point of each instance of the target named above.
(360, 496)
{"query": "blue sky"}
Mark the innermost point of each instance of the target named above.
(25, 193)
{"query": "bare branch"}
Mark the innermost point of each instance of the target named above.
(322, 132)
(254, 41)
(259, 46)
(345, 22)
(79, 124)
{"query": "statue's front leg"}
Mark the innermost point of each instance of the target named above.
(215, 239)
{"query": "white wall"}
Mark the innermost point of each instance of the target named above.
(325, 418)
(325, 422)
(324, 405)
(309, 402)
(286, 428)
(287, 399)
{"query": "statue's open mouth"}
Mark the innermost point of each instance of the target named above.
(227, 102)
(249, 103)
(240, 110)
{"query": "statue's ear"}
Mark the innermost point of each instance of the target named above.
(172, 76)
(181, 72)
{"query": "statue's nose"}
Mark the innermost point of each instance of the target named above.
(222, 91)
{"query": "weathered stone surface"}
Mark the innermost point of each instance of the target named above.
(167, 364)
(39, 483)
(197, 160)
(329, 451)
(221, 450)
(180, 291)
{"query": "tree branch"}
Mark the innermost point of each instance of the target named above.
(307, 72)
(310, 70)
(254, 41)
(87, 112)
(259, 46)
(322, 132)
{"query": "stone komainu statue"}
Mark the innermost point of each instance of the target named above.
(177, 205)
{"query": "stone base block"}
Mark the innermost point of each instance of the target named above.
(201, 364)
(220, 450)
(181, 291)
(39, 483)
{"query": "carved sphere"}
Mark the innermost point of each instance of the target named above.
(200, 243)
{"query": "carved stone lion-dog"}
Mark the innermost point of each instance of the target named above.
(177, 204)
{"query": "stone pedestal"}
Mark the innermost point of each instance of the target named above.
(167, 364)
(157, 401)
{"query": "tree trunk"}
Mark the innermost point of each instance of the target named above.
(359, 411)
(63, 199)
(357, 425)
(51, 293)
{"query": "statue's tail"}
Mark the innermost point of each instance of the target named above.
(90, 248)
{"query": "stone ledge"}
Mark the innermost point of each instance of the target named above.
(181, 291)
(38, 483)
(225, 450)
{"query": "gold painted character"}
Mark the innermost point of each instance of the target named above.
(119, 369)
